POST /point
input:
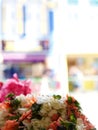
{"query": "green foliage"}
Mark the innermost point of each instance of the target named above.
(14, 103)
(70, 99)
(10, 96)
(73, 118)
(15, 117)
(68, 125)
(35, 111)
(77, 104)
(57, 97)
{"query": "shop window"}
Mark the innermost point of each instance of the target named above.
(7, 45)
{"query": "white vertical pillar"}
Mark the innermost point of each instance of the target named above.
(0, 21)
(1, 57)
(59, 41)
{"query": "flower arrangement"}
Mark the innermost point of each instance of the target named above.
(42, 113)
(20, 109)
(15, 86)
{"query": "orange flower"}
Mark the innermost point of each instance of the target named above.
(4, 105)
(30, 102)
(11, 125)
(25, 115)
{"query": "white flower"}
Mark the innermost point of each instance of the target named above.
(80, 125)
(22, 110)
(79, 121)
(46, 107)
(27, 124)
(57, 104)
(22, 98)
(36, 124)
(41, 99)
(63, 114)
(45, 122)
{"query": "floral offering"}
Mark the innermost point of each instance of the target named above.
(42, 113)
(20, 109)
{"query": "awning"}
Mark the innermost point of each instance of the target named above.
(23, 56)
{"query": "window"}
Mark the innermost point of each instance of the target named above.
(75, 2)
(20, 19)
(94, 2)
(8, 19)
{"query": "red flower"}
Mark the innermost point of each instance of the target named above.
(55, 117)
(53, 126)
(11, 125)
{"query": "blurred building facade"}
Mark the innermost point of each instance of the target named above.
(29, 29)
(26, 19)
(47, 29)
(29, 23)
(25, 30)
(80, 32)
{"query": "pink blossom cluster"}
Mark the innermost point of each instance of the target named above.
(15, 86)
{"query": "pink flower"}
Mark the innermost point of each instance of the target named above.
(16, 87)
(1, 84)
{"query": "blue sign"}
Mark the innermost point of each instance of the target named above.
(51, 21)
(24, 20)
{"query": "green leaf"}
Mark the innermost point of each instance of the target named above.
(35, 111)
(68, 125)
(72, 118)
(15, 117)
(31, 128)
(57, 97)
(42, 129)
(11, 96)
(15, 103)
(36, 107)
(69, 99)
(77, 104)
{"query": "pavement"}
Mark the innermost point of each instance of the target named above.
(89, 104)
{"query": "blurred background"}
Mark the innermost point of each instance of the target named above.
(55, 40)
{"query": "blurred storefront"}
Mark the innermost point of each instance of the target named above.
(77, 37)
(87, 66)
(25, 31)
(27, 41)
(64, 29)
